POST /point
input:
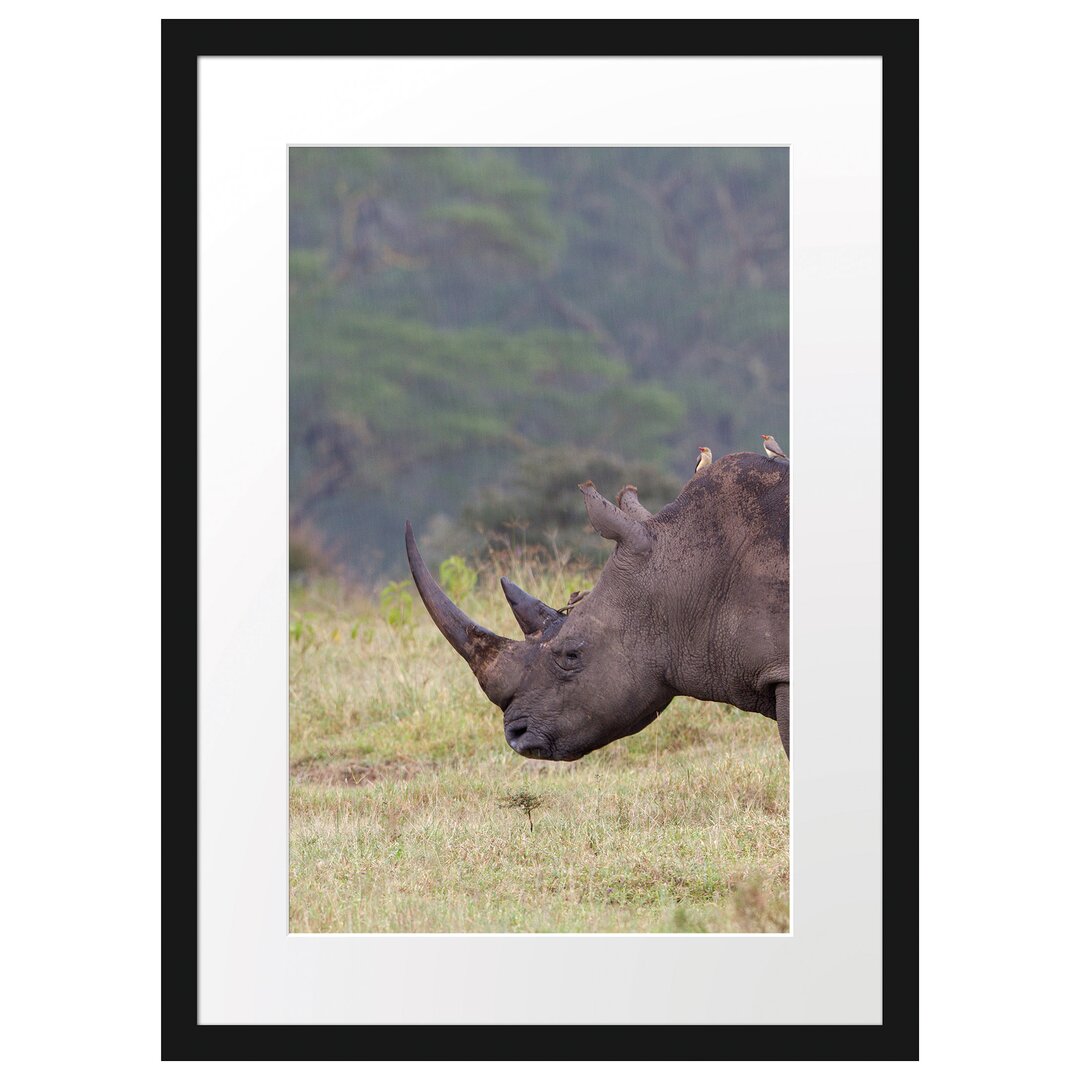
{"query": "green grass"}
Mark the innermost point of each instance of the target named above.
(402, 792)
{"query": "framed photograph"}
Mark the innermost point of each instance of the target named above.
(526, 682)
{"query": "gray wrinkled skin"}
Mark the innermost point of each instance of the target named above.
(693, 601)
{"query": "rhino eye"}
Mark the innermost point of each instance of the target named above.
(569, 659)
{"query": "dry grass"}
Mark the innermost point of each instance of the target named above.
(398, 810)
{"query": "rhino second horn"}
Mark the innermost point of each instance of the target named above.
(532, 615)
(481, 648)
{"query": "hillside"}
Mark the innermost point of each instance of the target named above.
(474, 331)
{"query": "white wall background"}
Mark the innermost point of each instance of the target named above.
(78, 428)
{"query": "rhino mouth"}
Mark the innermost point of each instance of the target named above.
(543, 753)
(525, 739)
(529, 750)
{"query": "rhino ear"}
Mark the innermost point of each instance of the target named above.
(531, 614)
(614, 524)
(627, 501)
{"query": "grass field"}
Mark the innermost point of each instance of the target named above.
(406, 804)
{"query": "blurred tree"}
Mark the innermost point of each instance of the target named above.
(467, 320)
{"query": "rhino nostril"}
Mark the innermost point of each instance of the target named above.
(515, 729)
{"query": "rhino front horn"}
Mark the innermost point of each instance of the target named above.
(489, 655)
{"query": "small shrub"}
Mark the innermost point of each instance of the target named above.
(302, 631)
(457, 578)
(396, 604)
(524, 801)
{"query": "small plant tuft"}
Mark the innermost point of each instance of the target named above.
(524, 801)
(302, 631)
(457, 578)
(395, 603)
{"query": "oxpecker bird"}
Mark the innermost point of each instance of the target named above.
(772, 448)
(704, 458)
(575, 598)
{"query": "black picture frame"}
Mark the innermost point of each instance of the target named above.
(183, 1038)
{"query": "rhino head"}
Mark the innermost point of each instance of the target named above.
(579, 680)
(693, 601)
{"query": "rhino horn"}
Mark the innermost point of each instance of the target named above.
(531, 614)
(488, 654)
(614, 524)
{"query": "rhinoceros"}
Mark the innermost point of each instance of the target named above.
(693, 601)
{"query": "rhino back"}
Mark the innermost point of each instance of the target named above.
(725, 556)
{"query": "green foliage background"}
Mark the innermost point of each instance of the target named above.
(475, 331)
